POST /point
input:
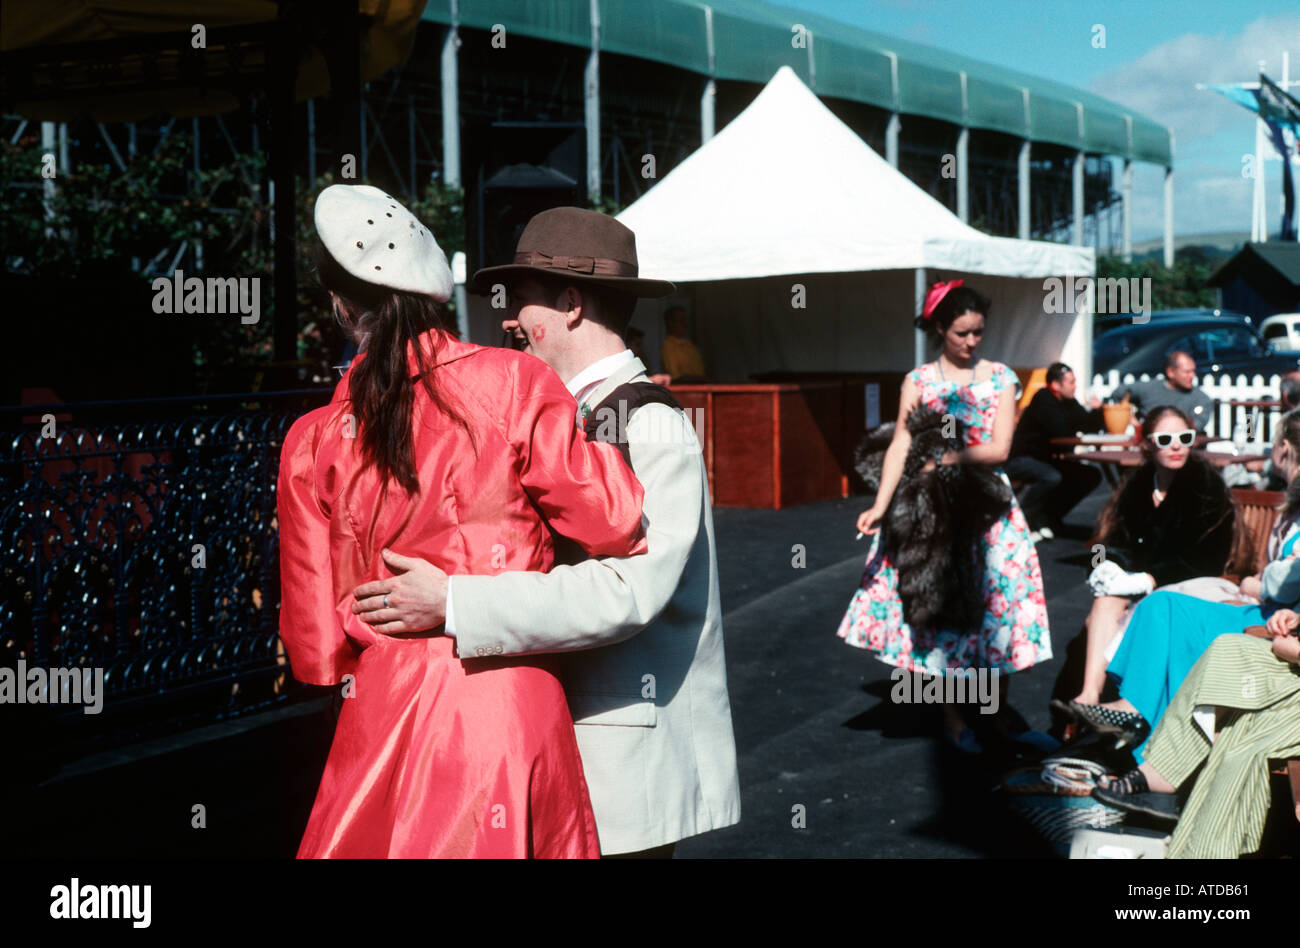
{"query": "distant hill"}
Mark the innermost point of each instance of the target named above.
(1210, 247)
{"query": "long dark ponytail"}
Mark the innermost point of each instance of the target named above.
(380, 385)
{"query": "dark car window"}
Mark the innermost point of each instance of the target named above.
(1195, 345)
(1110, 348)
(1276, 331)
(1232, 344)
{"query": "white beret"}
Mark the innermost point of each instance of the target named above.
(376, 239)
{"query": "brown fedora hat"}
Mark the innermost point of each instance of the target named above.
(579, 245)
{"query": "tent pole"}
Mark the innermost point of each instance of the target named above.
(891, 140)
(918, 301)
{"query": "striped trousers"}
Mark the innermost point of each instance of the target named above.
(1224, 817)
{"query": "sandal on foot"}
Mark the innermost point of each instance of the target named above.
(1132, 783)
(1132, 794)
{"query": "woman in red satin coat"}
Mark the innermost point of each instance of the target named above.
(437, 754)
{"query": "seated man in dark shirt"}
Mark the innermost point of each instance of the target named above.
(1053, 486)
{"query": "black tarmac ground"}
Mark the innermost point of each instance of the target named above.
(829, 766)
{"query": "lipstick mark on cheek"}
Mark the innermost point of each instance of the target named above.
(539, 333)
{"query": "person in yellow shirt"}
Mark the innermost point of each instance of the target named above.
(680, 357)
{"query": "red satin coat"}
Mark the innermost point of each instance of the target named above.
(437, 755)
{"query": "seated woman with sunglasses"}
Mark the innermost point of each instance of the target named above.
(1171, 521)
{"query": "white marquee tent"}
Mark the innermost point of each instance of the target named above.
(786, 195)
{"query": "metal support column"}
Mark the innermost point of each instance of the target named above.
(1077, 236)
(450, 102)
(1126, 208)
(918, 301)
(963, 175)
(47, 184)
(342, 51)
(895, 123)
(284, 78)
(311, 141)
(591, 97)
(709, 98)
(1169, 215)
(198, 190)
(410, 144)
(891, 139)
(1022, 186)
(963, 158)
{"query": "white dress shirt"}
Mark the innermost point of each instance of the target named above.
(580, 386)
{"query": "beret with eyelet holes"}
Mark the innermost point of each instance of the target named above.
(376, 239)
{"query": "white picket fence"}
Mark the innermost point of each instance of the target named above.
(1259, 424)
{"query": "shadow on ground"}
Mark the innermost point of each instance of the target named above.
(829, 766)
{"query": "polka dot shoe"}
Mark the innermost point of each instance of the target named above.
(1129, 725)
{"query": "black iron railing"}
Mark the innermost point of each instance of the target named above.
(139, 538)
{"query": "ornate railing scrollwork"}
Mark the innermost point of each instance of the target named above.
(141, 538)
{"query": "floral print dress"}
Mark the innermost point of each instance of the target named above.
(1013, 635)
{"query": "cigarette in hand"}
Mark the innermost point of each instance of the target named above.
(859, 536)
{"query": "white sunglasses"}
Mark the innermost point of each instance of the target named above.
(1165, 439)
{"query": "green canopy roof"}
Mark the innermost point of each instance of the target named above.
(752, 39)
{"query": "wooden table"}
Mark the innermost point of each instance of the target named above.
(1133, 457)
(1075, 441)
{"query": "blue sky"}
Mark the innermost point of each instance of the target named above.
(1156, 51)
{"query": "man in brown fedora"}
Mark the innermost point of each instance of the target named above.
(643, 667)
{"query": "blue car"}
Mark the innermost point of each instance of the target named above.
(1219, 344)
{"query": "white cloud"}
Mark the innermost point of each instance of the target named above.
(1161, 83)
(1209, 192)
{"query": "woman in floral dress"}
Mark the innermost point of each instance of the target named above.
(981, 394)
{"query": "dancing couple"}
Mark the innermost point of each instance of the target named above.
(495, 703)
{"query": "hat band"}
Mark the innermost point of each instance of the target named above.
(600, 266)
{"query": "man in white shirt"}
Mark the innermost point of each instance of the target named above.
(644, 667)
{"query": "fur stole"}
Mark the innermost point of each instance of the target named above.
(931, 529)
